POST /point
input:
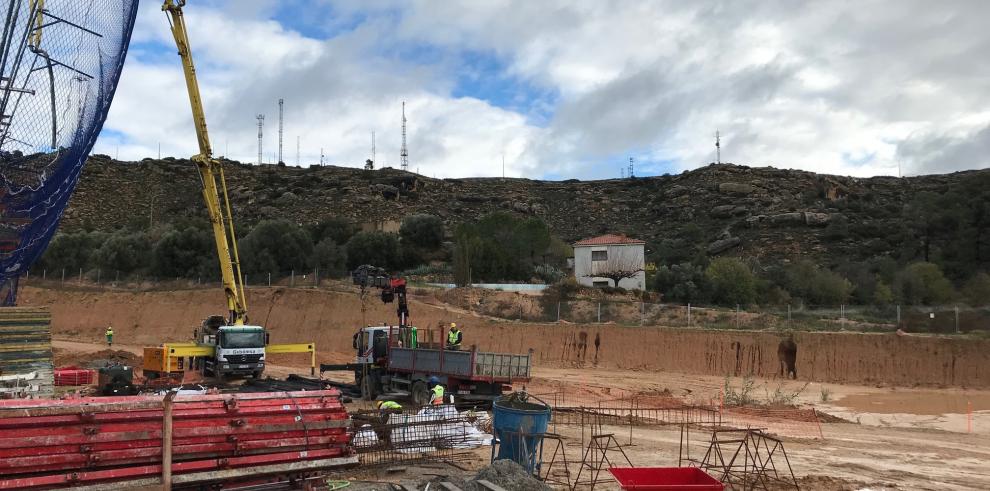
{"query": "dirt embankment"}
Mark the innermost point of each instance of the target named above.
(329, 319)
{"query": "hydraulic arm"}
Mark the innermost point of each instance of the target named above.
(210, 173)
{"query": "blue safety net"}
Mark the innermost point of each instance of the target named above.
(60, 61)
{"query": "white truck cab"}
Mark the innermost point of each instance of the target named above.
(238, 350)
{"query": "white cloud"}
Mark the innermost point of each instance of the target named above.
(826, 86)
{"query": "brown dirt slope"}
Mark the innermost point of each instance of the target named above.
(330, 318)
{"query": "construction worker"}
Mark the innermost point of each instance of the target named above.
(109, 335)
(388, 407)
(437, 391)
(454, 337)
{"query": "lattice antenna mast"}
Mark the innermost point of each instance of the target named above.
(373, 156)
(631, 175)
(718, 148)
(280, 161)
(404, 153)
(261, 125)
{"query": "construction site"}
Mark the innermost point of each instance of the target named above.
(389, 379)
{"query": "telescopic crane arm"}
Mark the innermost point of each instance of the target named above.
(210, 172)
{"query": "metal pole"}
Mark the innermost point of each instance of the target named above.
(44, 274)
(80, 276)
(689, 314)
(292, 278)
(788, 314)
(558, 311)
(167, 441)
(269, 279)
(98, 271)
(737, 316)
(898, 316)
(957, 319)
(316, 277)
(599, 312)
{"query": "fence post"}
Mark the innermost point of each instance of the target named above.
(269, 279)
(898, 316)
(599, 312)
(292, 279)
(737, 316)
(44, 274)
(957, 319)
(316, 277)
(80, 276)
(98, 271)
(63, 276)
(558, 311)
(642, 313)
(842, 312)
(117, 278)
(788, 315)
(689, 314)
(245, 281)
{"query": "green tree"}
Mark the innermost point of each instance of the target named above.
(423, 231)
(337, 229)
(976, 291)
(276, 246)
(378, 249)
(882, 295)
(330, 258)
(923, 284)
(186, 253)
(70, 251)
(122, 252)
(815, 285)
(682, 283)
(732, 282)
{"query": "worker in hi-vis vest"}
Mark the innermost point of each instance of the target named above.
(109, 335)
(387, 407)
(437, 391)
(454, 337)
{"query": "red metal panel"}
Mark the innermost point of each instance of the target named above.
(68, 441)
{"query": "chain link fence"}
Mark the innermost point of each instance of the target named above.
(940, 319)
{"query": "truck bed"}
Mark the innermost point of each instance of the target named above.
(469, 365)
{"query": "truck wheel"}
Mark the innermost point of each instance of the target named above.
(420, 393)
(369, 389)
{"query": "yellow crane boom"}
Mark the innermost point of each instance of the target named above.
(210, 171)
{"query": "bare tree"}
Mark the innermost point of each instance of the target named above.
(616, 267)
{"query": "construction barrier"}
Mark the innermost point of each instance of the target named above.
(67, 376)
(109, 439)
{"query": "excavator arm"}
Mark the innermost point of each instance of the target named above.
(210, 173)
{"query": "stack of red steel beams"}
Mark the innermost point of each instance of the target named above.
(54, 443)
(74, 376)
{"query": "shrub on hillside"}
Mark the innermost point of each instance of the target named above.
(378, 249)
(276, 246)
(732, 282)
(423, 231)
(923, 284)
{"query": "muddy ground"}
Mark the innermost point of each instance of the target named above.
(905, 401)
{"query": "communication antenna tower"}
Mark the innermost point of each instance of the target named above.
(718, 148)
(404, 153)
(280, 132)
(321, 156)
(630, 173)
(261, 124)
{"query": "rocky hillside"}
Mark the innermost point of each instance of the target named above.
(718, 209)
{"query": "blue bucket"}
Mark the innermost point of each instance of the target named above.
(518, 420)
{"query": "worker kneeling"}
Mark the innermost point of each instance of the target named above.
(437, 391)
(388, 407)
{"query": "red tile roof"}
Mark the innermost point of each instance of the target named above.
(608, 239)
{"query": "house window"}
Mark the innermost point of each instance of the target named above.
(599, 255)
(601, 284)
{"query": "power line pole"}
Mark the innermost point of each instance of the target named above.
(404, 154)
(718, 148)
(280, 132)
(321, 156)
(261, 125)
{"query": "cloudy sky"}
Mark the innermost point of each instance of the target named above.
(571, 89)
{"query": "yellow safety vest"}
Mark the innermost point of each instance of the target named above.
(452, 338)
(390, 405)
(109, 332)
(437, 392)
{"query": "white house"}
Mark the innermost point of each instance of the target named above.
(613, 255)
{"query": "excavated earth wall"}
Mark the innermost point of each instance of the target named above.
(330, 318)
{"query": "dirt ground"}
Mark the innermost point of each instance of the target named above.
(930, 436)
